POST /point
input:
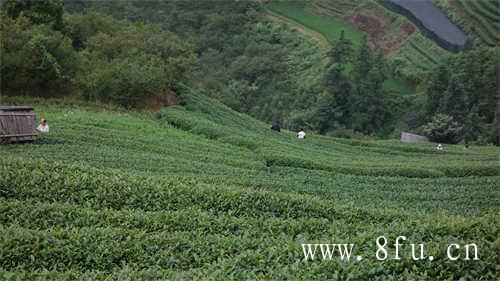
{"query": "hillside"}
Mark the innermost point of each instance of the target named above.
(408, 51)
(480, 19)
(339, 68)
(330, 29)
(200, 191)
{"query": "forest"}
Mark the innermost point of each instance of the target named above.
(130, 52)
(161, 163)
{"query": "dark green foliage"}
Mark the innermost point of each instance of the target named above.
(95, 56)
(128, 64)
(36, 59)
(259, 67)
(49, 12)
(358, 102)
(253, 65)
(130, 52)
(342, 50)
(467, 89)
(443, 128)
(368, 103)
(325, 114)
(435, 88)
(493, 134)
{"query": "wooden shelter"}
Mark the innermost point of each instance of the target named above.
(17, 123)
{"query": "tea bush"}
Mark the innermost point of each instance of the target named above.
(116, 195)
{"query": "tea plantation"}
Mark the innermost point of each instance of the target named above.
(201, 192)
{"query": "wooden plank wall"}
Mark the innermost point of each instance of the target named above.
(19, 125)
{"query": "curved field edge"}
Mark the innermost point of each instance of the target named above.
(319, 27)
(319, 38)
(200, 191)
(58, 204)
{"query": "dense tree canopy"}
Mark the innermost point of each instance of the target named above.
(467, 90)
(128, 52)
(36, 59)
(48, 12)
(93, 55)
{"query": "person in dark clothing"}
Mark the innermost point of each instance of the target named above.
(276, 127)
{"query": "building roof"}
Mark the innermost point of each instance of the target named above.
(15, 108)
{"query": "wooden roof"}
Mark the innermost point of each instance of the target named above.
(16, 108)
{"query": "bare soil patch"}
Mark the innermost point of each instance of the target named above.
(381, 37)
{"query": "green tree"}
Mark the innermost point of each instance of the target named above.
(129, 64)
(368, 105)
(472, 126)
(35, 59)
(493, 128)
(443, 128)
(363, 61)
(325, 115)
(467, 88)
(130, 82)
(332, 105)
(454, 99)
(436, 87)
(341, 51)
(48, 12)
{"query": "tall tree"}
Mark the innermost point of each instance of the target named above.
(368, 105)
(39, 12)
(454, 100)
(341, 51)
(362, 62)
(333, 104)
(436, 87)
(466, 88)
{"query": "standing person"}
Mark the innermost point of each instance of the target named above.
(43, 127)
(276, 127)
(301, 134)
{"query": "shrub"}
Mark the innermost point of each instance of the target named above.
(443, 128)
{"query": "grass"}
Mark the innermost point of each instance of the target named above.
(492, 6)
(479, 19)
(486, 12)
(419, 57)
(202, 192)
(487, 25)
(394, 85)
(329, 28)
(322, 42)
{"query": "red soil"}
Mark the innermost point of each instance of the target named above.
(380, 37)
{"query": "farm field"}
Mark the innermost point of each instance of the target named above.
(479, 18)
(330, 29)
(391, 31)
(202, 192)
(410, 53)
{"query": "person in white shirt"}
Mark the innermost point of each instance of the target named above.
(43, 127)
(301, 134)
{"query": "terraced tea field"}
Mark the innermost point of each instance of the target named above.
(202, 192)
(480, 18)
(325, 25)
(328, 27)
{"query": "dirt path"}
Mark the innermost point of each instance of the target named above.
(323, 44)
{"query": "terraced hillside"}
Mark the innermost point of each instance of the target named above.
(409, 52)
(202, 192)
(327, 28)
(480, 18)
